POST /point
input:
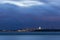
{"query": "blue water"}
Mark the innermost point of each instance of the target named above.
(29, 33)
(29, 37)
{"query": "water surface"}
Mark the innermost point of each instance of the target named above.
(29, 37)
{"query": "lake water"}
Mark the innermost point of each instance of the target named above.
(29, 37)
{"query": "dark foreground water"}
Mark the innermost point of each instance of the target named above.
(30, 37)
(29, 33)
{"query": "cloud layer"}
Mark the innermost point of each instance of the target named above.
(24, 3)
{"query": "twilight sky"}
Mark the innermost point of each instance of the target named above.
(26, 13)
(52, 2)
(48, 9)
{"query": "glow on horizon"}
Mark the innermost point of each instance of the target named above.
(24, 3)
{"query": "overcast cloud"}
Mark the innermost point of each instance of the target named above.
(55, 3)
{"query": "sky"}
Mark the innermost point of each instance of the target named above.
(29, 12)
(32, 2)
(24, 3)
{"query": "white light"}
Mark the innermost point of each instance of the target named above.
(39, 27)
(24, 3)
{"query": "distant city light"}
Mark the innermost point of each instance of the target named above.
(40, 28)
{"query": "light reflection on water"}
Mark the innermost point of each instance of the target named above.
(30, 37)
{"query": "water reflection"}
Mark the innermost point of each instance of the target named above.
(30, 37)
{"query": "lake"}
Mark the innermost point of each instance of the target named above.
(29, 37)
